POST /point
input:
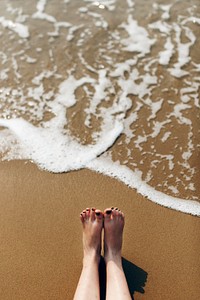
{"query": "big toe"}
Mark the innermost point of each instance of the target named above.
(99, 215)
(108, 213)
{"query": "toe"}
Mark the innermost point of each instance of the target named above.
(108, 213)
(84, 214)
(81, 217)
(114, 213)
(87, 213)
(118, 213)
(92, 214)
(98, 215)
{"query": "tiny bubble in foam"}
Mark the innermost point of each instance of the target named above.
(101, 6)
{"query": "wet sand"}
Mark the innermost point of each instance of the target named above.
(41, 251)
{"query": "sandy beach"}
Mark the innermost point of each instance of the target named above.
(110, 86)
(41, 250)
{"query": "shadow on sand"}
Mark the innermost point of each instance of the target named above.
(135, 276)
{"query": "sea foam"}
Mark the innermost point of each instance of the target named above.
(110, 95)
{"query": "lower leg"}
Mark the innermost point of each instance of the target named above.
(88, 285)
(117, 288)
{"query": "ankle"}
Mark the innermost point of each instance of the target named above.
(114, 257)
(91, 258)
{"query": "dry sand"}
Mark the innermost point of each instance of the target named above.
(41, 251)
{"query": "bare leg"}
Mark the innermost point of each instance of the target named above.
(117, 288)
(88, 286)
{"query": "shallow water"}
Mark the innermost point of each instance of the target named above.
(107, 85)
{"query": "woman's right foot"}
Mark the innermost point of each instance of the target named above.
(113, 231)
(92, 221)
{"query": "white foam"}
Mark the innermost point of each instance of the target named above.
(120, 68)
(118, 87)
(165, 56)
(157, 128)
(65, 153)
(100, 21)
(166, 9)
(161, 26)
(44, 16)
(191, 92)
(130, 120)
(131, 179)
(178, 108)
(83, 9)
(130, 3)
(20, 29)
(138, 40)
(155, 107)
(67, 88)
(40, 14)
(183, 51)
(30, 60)
(72, 31)
(140, 140)
(166, 136)
(173, 189)
(192, 19)
(41, 5)
(99, 94)
(4, 74)
(109, 4)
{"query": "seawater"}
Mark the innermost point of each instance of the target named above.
(112, 86)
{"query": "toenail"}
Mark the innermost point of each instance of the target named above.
(108, 212)
(112, 207)
(116, 208)
(87, 209)
(98, 213)
(93, 208)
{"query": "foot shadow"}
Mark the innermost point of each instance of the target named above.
(135, 276)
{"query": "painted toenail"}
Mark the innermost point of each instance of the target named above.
(98, 213)
(112, 207)
(87, 209)
(93, 208)
(108, 212)
(116, 208)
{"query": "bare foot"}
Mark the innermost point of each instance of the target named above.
(113, 230)
(92, 220)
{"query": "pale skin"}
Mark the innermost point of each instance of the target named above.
(94, 223)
